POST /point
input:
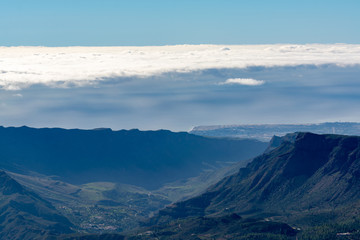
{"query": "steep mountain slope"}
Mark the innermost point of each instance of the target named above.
(307, 174)
(24, 215)
(191, 187)
(131, 157)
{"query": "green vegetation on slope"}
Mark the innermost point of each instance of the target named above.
(99, 206)
(24, 215)
(333, 231)
(206, 228)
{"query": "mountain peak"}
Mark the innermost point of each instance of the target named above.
(305, 170)
(8, 185)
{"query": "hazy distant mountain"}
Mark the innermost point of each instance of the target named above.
(143, 158)
(265, 132)
(305, 176)
(24, 215)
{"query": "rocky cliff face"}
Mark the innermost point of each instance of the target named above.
(308, 172)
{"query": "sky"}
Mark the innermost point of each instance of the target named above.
(164, 22)
(178, 64)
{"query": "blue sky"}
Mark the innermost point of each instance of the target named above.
(165, 22)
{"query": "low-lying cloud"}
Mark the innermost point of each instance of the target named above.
(21, 67)
(244, 81)
(178, 101)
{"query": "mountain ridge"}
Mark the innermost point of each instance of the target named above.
(314, 173)
(25, 215)
(126, 156)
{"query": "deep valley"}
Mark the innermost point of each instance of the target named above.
(301, 185)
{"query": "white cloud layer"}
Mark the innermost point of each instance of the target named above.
(244, 81)
(21, 67)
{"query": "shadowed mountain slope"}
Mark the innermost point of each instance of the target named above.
(144, 158)
(24, 215)
(305, 173)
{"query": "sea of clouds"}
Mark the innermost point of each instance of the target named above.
(178, 87)
(21, 67)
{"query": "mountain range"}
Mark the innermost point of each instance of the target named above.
(307, 175)
(302, 185)
(265, 132)
(104, 181)
(126, 156)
